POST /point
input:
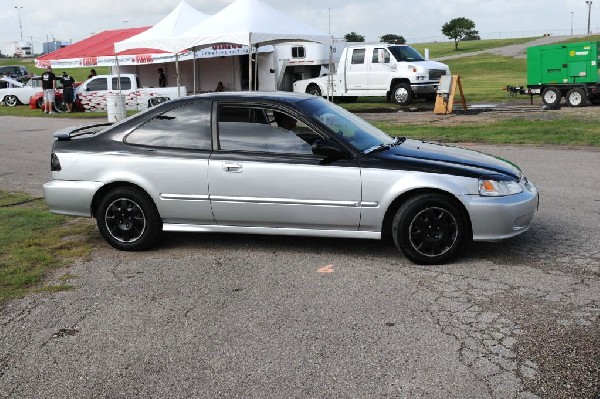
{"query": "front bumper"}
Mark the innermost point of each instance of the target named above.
(424, 88)
(497, 218)
(71, 197)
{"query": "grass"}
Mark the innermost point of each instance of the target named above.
(534, 131)
(34, 242)
(443, 49)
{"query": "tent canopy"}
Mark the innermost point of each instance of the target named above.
(99, 45)
(244, 22)
(181, 19)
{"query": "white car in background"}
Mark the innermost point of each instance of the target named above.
(19, 93)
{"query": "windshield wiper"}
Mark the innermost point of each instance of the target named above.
(383, 146)
(398, 141)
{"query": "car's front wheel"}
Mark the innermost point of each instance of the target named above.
(430, 229)
(11, 100)
(128, 220)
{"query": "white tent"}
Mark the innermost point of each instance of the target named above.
(183, 18)
(250, 23)
(180, 20)
(244, 22)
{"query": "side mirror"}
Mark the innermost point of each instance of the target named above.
(328, 149)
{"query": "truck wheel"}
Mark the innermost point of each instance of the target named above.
(577, 97)
(11, 100)
(430, 229)
(314, 90)
(551, 96)
(402, 94)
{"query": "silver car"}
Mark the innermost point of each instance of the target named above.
(282, 164)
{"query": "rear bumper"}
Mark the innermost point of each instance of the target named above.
(71, 197)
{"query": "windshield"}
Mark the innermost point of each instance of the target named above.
(345, 125)
(405, 53)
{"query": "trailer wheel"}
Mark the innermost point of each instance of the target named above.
(577, 97)
(551, 96)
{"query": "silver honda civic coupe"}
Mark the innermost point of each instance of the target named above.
(282, 164)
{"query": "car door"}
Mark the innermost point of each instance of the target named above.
(265, 175)
(173, 150)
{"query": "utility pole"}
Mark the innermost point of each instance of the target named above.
(589, 4)
(572, 12)
(20, 25)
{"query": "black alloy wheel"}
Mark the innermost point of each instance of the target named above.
(430, 229)
(128, 220)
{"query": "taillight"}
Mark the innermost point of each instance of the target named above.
(54, 163)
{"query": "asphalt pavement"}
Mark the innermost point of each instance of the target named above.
(224, 315)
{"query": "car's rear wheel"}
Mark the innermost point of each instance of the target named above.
(40, 103)
(11, 100)
(128, 220)
(430, 229)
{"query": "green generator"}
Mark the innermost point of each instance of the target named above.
(568, 70)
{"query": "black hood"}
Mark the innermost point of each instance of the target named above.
(438, 158)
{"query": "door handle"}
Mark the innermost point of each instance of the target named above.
(232, 167)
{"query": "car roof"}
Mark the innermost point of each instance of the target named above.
(283, 96)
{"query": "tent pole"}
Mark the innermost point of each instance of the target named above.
(194, 51)
(177, 73)
(250, 68)
(249, 61)
(118, 73)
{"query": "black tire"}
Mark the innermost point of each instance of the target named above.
(314, 90)
(551, 96)
(128, 220)
(430, 229)
(577, 97)
(402, 94)
(11, 100)
(61, 106)
(40, 103)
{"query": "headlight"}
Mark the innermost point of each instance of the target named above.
(498, 188)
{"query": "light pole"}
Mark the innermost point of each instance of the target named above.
(572, 12)
(589, 4)
(20, 25)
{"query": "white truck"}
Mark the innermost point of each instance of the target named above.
(92, 95)
(397, 72)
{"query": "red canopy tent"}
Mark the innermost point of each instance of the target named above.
(98, 49)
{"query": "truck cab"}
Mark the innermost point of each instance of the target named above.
(397, 72)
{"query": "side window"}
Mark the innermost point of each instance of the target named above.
(125, 83)
(380, 55)
(358, 56)
(186, 127)
(278, 132)
(97, 84)
(298, 52)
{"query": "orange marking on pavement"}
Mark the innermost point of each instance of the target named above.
(326, 269)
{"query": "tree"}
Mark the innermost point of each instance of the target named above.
(392, 39)
(459, 29)
(354, 37)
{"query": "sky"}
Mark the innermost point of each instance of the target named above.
(417, 20)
